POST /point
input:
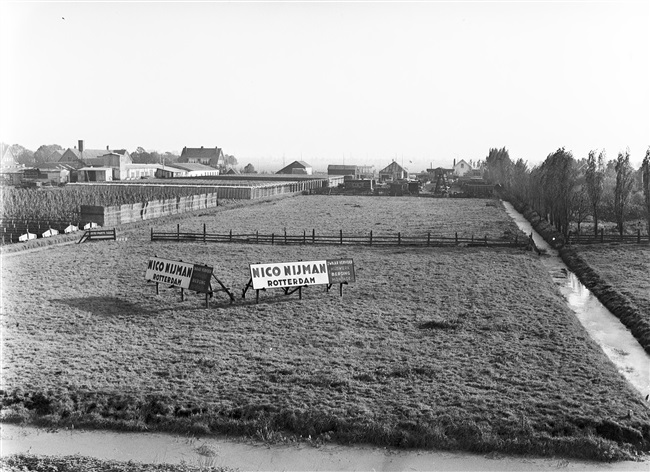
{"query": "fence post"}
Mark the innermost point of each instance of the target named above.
(285, 236)
(429, 238)
(399, 238)
(638, 236)
(152, 233)
(230, 236)
(203, 232)
(304, 236)
(178, 232)
(486, 240)
(456, 237)
(257, 236)
(341, 235)
(272, 239)
(602, 232)
(371, 237)
(313, 236)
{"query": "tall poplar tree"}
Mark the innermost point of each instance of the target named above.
(645, 178)
(595, 179)
(623, 187)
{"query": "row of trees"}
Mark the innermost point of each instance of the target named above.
(566, 190)
(46, 153)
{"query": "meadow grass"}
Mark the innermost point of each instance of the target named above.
(457, 348)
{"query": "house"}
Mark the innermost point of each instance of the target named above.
(212, 157)
(393, 172)
(232, 171)
(195, 170)
(7, 157)
(461, 168)
(297, 167)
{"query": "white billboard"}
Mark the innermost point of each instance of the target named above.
(289, 274)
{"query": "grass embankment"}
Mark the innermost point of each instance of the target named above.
(32, 463)
(620, 278)
(460, 348)
(619, 275)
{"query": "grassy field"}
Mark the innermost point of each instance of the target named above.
(458, 348)
(360, 215)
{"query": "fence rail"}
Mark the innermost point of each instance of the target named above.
(603, 238)
(341, 239)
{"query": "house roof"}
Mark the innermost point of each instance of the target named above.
(105, 169)
(202, 152)
(144, 166)
(392, 168)
(463, 160)
(294, 165)
(53, 166)
(191, 167)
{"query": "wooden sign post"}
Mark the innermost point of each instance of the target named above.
(195, 277)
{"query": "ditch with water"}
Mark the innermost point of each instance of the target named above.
(616, 341)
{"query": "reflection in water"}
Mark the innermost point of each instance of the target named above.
(603, 327)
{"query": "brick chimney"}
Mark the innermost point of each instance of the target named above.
(81, 145)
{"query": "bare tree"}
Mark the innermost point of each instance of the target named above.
(622, 188)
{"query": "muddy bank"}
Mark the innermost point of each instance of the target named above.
(617, 303)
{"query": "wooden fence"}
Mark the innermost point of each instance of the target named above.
(369, 239)
(11, 229)
(603, 238)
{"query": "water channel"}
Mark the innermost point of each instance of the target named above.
(606, 329)
(616, 341)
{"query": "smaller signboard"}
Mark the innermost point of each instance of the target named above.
(200, 281)
(340, 270)
(182, 274)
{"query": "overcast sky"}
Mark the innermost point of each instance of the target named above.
(360, 83)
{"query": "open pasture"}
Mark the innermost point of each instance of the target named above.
(360, 215)
(459, 348)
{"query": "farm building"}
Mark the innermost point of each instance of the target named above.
(95, 174)
(80, 157)
(212, 157)
(393, 172)
(140, 171)
(169, 172)
(297, 167)
(461, 168)
(53, 172)
(195, 170)
(11, 176)
(351, 171)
